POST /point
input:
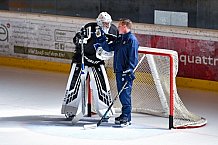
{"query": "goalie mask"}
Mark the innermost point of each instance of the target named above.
(104, 21)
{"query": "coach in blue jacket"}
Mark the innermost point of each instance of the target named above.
(125, 60)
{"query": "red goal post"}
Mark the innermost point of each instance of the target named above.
(155, 51)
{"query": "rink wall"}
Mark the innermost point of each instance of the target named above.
(39, 41)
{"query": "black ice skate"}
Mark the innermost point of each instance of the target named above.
(122, 122)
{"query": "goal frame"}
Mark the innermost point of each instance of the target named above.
(175, 121)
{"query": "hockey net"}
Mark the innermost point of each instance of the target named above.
(154, 89)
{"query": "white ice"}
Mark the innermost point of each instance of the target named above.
(30, 103)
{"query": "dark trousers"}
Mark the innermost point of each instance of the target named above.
(125, 96)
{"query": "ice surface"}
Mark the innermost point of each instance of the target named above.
(30, 103)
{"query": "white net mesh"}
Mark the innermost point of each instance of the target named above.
(151, 88)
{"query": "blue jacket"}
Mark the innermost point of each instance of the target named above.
(125, 52)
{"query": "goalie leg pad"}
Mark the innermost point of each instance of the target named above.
(73, 93)
(101, 90)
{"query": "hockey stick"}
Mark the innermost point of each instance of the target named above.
(83, 33)
(83, 72)
(93, 126)
(80, 114)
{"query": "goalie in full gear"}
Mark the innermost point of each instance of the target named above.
(74, 103)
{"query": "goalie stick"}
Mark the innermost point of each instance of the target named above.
(84, 32)
(93, 126)
(83, 79)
